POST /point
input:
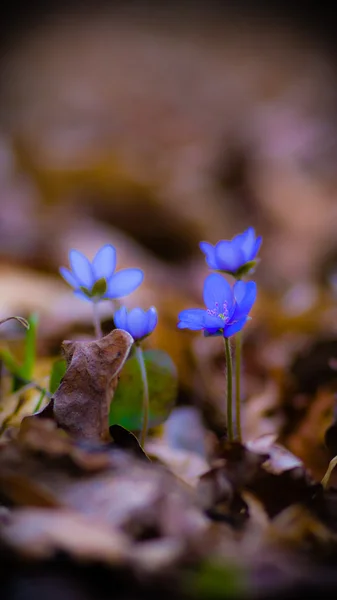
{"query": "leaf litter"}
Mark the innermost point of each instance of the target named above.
(71, 484)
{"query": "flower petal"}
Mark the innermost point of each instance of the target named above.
(81, 268)
(218, 293)
(152, 319)
(137, 323)
(192, 318)
(246, 300)
(83, 296)
(235, 326)
(239, 290)
(209, 252)
(228, 256)
(257, 246)
(121, 318)
(124, 282)
(213, 322)
(248, 244)
(69, 277)
(104, 263)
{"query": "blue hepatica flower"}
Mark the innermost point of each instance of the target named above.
(227, 308)
(236, 256)
(97, 280)
(138, 323)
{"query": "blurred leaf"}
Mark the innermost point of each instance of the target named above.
(127, 406)
(39, 402)
(9, 360)
(57, 372)
(27, 368)
(23, 373)
(214, 580)
(127, 441)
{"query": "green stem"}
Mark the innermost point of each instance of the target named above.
(238, 348)
(97, 321)
(146, 403)
(229, 389)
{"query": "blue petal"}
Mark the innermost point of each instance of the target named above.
(83, 296)
(120, 318)
(248, 244)
(124, 282)
(137, 323)
(152, 319)
(209, 252)
(69, 277)
(218, 293)
(235, 326)
(239, 290)
(81, 268)
(228, 256)
(257, 246)
(245, 295)
(213, 322)
(192, 318)
(104, 263)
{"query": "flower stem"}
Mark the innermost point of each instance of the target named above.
(146, 403)
(238, 353)
(97, 321)
(229, 389)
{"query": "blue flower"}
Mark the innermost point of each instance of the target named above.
(227, 307)
(236, 256)
(138, 323)
(97, 280)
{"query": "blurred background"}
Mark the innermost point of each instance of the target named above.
(153, 129)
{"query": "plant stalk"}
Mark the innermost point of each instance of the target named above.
(146, 402)
(229, 389)
(238, 355)
(96, 320)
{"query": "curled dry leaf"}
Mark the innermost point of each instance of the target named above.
(21, 320)
(81, 403)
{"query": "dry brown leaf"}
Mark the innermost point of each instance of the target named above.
(81, 402)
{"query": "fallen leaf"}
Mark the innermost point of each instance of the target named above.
(41, 533)
(126, 440)
(81, 403)
(21, 320)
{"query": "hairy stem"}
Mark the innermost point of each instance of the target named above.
(229, 389)
(96, 320)
(146, 403)
(238, 353)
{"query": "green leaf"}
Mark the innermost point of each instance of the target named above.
(24, 372)
(9, 361)
(39, 402)
(27, 368)
(215, 581)
(57, 372)
(127, 404)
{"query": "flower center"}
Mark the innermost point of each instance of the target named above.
(215, 312)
